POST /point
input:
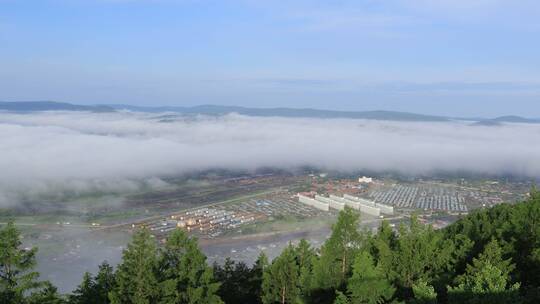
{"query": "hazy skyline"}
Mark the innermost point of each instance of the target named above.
(459, 58)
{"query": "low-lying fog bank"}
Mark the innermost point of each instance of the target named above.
(81, 152)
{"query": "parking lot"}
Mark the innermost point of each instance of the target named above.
(424, 197)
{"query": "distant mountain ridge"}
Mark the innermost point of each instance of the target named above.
(518, 119)
(285, 112)
(36, 106)
(505, 119)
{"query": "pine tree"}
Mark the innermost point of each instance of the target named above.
(94, 290)
(368, 283)
(235, 281)
(423, 293)
(136, 281)
(337, 253)
(485, 285)
(493, 255)
(225, 275)
(186, 278)
(382, 246)
(16, 264)
(304, 258)
(280, 280)
(421, 254)
(256, 278)
(341, 298)
(104, 283)
(85, 292)
(47, 295)
(487, 280)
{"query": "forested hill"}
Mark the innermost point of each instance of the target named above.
(287, 112)
(216, 110)
(491, 256)
(37, 106)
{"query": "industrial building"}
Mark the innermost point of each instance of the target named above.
(332, 203)
(386, 209)
(313, 202)
(350, 203)
(358, 205)
(365, 180)
(370, 210)
(360, 200)
(339, 203)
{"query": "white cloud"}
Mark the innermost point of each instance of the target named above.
(81, 152)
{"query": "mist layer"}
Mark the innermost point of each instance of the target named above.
(80, 151)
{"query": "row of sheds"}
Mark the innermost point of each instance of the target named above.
(337, 202)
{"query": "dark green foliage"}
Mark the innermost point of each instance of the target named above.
(16, 265)
(517, 231)
(337, 253)
(423, 293)
(524, 235)
(487, 280)
(94, 290)
(493, 255)
(305, 256)
(104, 283)
(341, 298)
(485, 285)
(294, 272)
(416, 253)
(185, 276)
(235, 279)
(256, 278)
(382, 246)
(136, 281)
(368, 283)
(490, 256)
(85, 292)
(281, 279)
(420, 254)
(47, 295)
(239, 283)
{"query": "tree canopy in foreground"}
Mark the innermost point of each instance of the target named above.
(489, 256)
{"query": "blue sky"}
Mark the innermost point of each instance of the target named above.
(452, 57)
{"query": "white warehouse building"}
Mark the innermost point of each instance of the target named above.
(371, 210)
(365, 180)
(352, 204)
(386, 209)
(332, 203)
(313, 203)
(360, 200)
